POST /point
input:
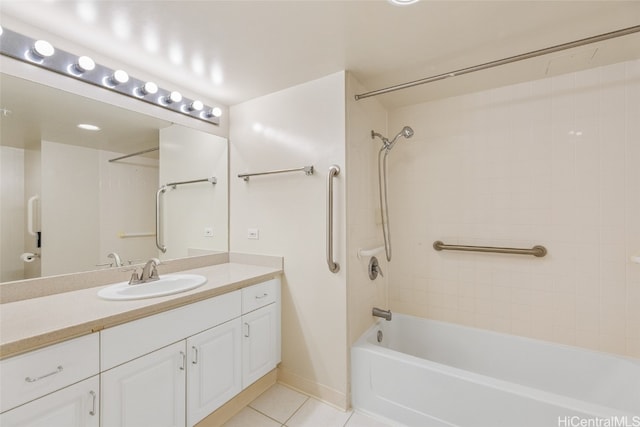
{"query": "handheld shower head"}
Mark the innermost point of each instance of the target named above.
(406, 132)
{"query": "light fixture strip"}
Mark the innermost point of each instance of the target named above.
(18, 46)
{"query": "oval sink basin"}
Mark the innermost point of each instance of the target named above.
(166, 285)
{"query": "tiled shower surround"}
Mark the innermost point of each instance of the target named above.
(553, 162)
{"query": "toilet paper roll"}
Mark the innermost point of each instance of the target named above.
(28, 257)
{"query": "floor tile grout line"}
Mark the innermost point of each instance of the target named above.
(262, 413)
(296, 411)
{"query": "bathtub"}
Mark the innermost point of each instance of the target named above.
(427, 373)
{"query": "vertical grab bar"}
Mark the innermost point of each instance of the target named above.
(159, 243)
(30, 205)
(334, 171)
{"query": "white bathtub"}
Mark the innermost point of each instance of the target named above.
(429, 373)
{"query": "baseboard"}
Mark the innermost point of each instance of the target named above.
(238, 403)
(319, 391)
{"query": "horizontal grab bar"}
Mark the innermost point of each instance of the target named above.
(212, 180)
(537, 251)
(308, 170)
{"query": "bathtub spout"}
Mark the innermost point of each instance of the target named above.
(385, 314)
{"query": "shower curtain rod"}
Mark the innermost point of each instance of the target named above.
(504, 61)
(134, 154)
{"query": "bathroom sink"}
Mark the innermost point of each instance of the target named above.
(167, 285)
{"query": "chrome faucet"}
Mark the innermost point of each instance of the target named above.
(116, 259)
(378, 312)
(149, 271)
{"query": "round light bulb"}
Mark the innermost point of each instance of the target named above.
(120, 76)
(149, 88)
(43, 48)
(196, 106)
(85, 64)
(216, 112)
(175, 96)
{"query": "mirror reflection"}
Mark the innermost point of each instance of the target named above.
(70, 202)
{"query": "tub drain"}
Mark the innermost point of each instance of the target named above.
(379, 336)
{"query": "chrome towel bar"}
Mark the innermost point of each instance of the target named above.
(537, 251)
(308, 170)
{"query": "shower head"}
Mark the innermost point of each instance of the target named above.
(406, 132)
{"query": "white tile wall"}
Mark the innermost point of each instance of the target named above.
(553, 162)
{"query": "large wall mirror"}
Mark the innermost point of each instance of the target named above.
(68, 204)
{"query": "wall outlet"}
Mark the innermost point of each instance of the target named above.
(253, 234)
(208, 232)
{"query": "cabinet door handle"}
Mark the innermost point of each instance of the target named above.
(92, 412)
(33, 380)
(195, 355)
(248, 330)
(262, 296)
(184, 360)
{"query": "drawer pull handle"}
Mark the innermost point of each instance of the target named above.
(262, 296)
(92, 412)
(248, 330)
(33, 380)
(184, 360)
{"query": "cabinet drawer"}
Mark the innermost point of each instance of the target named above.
(134, 339)
(259, 295)
(34, 374)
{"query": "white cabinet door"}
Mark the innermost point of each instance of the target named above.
(214, 374)
(73, 406)
(259, 354)
(148, 391)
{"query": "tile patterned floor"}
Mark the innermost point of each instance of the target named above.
(281, 406)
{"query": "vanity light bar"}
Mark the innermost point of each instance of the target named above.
(43, 54)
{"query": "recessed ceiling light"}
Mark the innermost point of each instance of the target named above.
(87, 126)
(402, 2)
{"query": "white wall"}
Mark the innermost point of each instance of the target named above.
(12, 213)
(87, 202)
(553, 162)
(127, 191)
(188, 154)
(363, 212)
(299, 126)
(70, 208)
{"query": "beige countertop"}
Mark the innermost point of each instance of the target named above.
(37, 322)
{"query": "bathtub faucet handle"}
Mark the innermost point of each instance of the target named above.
(374, 268)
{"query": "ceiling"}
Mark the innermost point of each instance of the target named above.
(233, 51)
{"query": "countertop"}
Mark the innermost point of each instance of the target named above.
(37, 322)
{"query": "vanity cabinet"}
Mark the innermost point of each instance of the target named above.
(148, 391)
(261, 330)
(214, 372)
(51, 386)
(73, 406)
(179, 366)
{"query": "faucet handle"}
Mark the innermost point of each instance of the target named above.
(135, 279)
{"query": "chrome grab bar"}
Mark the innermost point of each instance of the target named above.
(159, 243)
(334, 171)
(537, 251)
(308, 170)
(172, 185)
